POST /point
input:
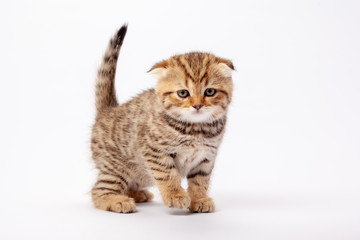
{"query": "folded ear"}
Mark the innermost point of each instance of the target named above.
(226, 62)
(159, 69)
(225, 67)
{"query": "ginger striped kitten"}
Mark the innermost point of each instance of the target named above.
(163, 134)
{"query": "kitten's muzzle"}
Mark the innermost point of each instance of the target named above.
(198, 106)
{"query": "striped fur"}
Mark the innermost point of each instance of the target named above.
(105, 86)
(159, 137)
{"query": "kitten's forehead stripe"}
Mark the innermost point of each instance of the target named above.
(205, 76)
(186, 66)
(205, 66)
(195, 65)
(187, 82)
(194, 61)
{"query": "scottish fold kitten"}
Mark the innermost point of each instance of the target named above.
(163, 134)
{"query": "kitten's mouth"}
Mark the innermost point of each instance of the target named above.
(196, 116)
(199, 112)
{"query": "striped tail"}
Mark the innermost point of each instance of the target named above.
(105, 85)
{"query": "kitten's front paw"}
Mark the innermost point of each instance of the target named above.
(115, 203)
(140, 196)
(202, 205)
(177, 200)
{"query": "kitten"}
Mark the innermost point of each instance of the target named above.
(163, 134)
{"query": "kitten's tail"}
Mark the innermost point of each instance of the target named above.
(105, 86)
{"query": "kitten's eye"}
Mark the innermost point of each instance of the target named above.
(183, 93)
(209, 92)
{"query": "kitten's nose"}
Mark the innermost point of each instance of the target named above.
(198, 106)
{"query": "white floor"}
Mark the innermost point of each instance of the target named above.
(238, 216)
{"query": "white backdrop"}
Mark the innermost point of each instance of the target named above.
(289, 164)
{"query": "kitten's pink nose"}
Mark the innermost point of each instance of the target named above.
(198, 106)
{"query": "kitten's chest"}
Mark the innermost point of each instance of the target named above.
(190, 155)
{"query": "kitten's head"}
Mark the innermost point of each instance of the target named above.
(194, 87)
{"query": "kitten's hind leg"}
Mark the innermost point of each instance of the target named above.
(140, 195)
(108, 194)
